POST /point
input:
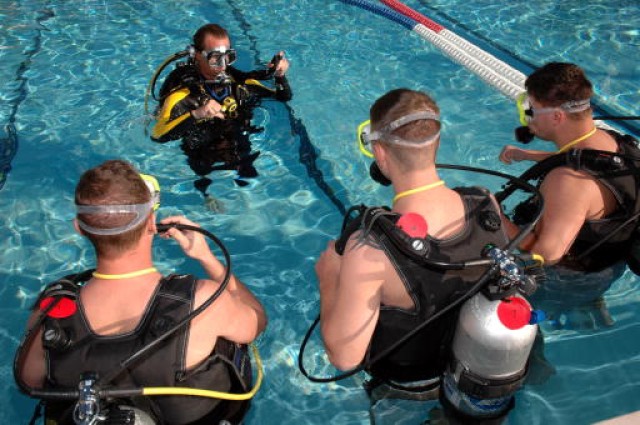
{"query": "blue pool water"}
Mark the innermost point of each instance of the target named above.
(72, 86)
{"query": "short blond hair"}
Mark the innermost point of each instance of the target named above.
(396, 104)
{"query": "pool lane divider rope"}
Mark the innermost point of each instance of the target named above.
(497, 73)
(604, 112)
(490, 69)
(493, 71)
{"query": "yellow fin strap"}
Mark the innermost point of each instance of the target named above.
(209, 393)
(417, 190)
(578, 140)
(124, 275)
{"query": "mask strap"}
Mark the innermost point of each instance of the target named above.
(142, 211)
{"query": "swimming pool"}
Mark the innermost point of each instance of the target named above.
(73, 84)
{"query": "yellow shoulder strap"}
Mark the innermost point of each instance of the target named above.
(164, 123)
(252, 82)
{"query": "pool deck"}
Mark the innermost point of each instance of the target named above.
(630, 419)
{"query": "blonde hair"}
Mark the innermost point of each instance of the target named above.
(396, 104)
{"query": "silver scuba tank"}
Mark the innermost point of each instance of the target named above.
(490, 350)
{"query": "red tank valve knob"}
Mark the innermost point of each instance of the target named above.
(514, 312)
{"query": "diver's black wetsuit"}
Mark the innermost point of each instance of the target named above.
(224, 142)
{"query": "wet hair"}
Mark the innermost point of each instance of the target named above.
(558, 82)
(396, 104)
(114, 182)
(213, 30)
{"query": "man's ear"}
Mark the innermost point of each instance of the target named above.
(380, 155)
(559, 116)
(77, 227)
(151, 224)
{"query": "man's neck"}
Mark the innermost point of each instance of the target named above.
(412, 180)
(133, 260)
(572, 131)
(416, 187)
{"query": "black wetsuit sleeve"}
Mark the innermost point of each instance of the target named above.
(281, 91)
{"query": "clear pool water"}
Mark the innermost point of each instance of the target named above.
(72, 86)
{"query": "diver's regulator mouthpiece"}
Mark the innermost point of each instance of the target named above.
(524, 135)
(376, 174)
(222, 79)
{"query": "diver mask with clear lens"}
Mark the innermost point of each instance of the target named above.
(366, 137)
(220, 57)
(141, 211)
(523, 105)
(526, 112)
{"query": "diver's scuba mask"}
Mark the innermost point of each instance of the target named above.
(366, 137)
(526, 113)
(219, 57)
(141, 211)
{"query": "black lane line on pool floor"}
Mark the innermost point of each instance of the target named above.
(307, 152)
(9, 141)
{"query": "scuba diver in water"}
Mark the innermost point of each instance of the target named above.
(92, 321)
(590, 190)
(209, 104)
(373, 292)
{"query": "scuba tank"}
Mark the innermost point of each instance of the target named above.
(491, 345)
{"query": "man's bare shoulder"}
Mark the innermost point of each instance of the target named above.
(364, 257)
(361, 242)
(206, 288)
(569, 190)
(567, 177)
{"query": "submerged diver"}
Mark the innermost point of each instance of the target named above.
(110, 313)
(209, 105)
(372, 293)
(588, 222)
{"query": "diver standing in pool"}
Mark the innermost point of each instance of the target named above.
(208, 104)
(102, 317)
(373, 293)
(588, 222)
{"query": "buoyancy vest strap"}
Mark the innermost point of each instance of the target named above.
(66, 286)
(349, 226)
(595, 162)
(165, 124)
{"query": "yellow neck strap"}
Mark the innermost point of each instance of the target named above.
(578, 140)
(124, 275)
(417, 190)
